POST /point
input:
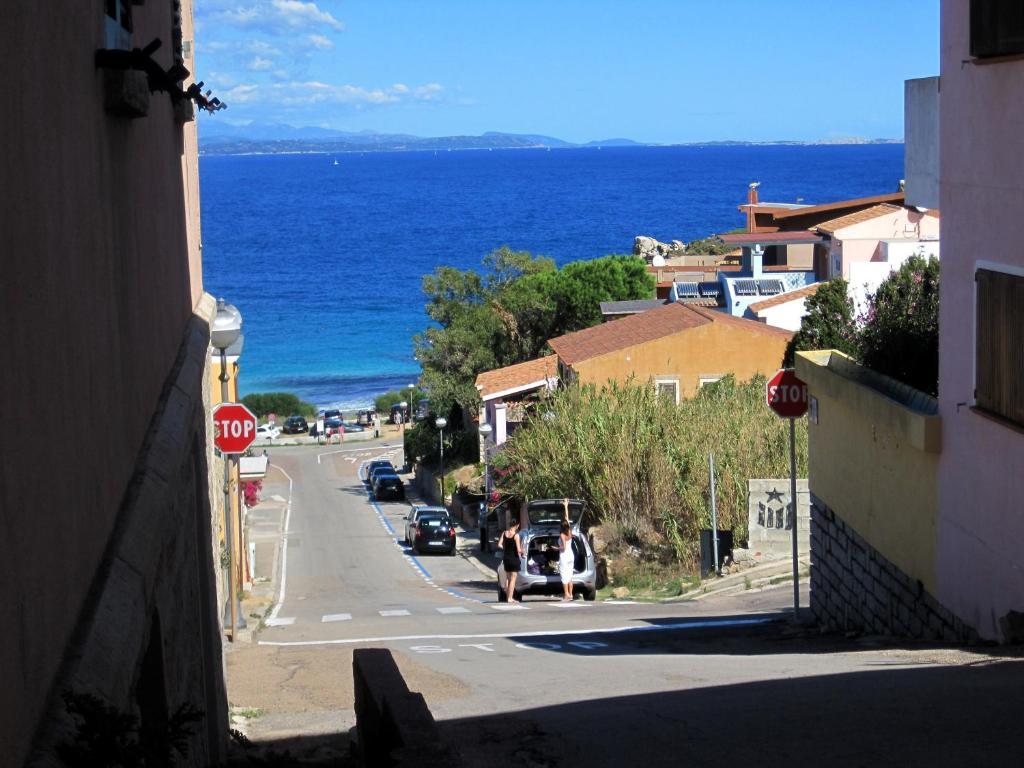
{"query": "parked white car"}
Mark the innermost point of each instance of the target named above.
(267, 432)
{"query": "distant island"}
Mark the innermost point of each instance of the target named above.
(219, 138)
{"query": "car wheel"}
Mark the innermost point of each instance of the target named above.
(589, 595)
(502, 597)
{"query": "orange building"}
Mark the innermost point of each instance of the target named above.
(677, 347)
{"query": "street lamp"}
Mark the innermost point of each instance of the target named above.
(441, 422)
(225, 330)
(485, 432)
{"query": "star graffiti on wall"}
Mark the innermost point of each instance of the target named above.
(774, 495)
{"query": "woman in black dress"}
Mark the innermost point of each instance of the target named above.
(512, 557)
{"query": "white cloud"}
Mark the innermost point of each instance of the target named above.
(297, 93)
(276, 16)
(260, 65)
(320, 42)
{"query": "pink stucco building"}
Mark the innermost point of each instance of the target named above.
(980, 526)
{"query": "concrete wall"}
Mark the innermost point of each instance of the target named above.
(101, 278)
(715, 349)
(788, 316)
(770, 518)
(873, 459)
(921, 141)
(981, 479)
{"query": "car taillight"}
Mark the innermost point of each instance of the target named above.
(419, 532)
(451, 532)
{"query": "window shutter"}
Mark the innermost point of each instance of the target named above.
(997, 28)
(999, 349)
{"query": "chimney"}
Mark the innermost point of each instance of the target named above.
(752, 200)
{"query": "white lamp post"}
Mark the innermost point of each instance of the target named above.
(486, 430)
(441, 422)
(225, 330)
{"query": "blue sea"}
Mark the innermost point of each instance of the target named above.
(325, 260)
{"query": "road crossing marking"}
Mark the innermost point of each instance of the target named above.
(280, 622)
(509, 607)
(568, 605)
(399, 612)
(454, 609)
(327, 617)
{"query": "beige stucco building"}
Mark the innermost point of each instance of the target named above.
(676, 347)
(109, 554)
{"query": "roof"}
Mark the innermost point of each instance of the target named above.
(858, 217)
(785, 298)
(253, 467)
(512, 379)
(857, 202)
(770, 238)
(629, 307)
(647, 326)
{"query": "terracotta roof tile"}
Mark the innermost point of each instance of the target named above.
(858, 217)
(516, 377)
(647, 326)
(857, 202)
(785, 298)
(754, 238)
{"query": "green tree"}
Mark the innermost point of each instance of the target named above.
(281, 403)
(506, 314)
(900, 337)
(411, 395)
(828, 324)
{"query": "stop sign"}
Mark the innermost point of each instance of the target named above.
(234, 427)
(786, 394)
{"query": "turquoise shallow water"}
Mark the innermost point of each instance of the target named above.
(325, 261)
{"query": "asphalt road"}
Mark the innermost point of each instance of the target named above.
(622, 683)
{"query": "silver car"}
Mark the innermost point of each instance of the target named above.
(538, 571)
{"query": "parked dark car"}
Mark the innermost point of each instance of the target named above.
(430, 529)
(351, 426)
(333, 413)
(377, 464)
(388, 486)
(372, 475)
(295, 425)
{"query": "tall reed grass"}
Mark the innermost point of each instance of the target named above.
(641, 462)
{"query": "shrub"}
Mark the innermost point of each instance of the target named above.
(641, 462)
(281, 403)
(900, 337)
(410, 395)
(828, 324)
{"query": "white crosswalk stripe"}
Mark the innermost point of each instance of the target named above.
(454, 609)
(399, 612)
(328, 617)
(509, 607)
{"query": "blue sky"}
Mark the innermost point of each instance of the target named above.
(650, 70)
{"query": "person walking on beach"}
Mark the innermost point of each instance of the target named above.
(512, 557)
(566, 561)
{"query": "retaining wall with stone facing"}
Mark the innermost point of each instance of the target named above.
(855, 588)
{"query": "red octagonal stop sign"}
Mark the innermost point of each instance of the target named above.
(786, 394)
(234, 427)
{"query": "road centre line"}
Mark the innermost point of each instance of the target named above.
(630, 629)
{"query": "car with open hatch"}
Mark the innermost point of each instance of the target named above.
(538, 573)
(430, 529)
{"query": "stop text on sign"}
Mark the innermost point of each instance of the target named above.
(786, 394)
(234, 427)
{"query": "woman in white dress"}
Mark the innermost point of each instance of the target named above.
(566, 559)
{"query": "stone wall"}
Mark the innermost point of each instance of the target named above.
(147, 641)
(855, 588)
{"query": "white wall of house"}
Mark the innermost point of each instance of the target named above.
(786, 316)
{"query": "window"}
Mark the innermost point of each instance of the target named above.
(667, 388)
(706, 379)
(997, 28)
(999, 345)
(118, 24)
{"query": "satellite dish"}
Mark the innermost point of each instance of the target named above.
(658, 260)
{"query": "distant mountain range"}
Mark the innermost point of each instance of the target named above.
(217, 137)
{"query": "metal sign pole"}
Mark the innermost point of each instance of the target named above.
(714, 512)
(792, 496)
